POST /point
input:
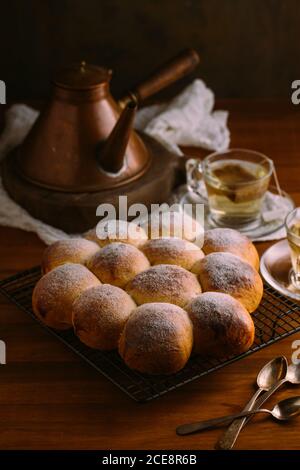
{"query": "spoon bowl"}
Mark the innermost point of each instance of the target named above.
(286, 409)
(272, 372)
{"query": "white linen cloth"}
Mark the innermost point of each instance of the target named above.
(188, 119)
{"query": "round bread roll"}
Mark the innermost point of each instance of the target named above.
(172, 251)
(164, 283)
(56, 291)
(157, 339)
(118, 263)
(173, 224)
(99, 316)
(228, 273)
(73, 250)
(110, 231)
(231, 241)
(221, 325)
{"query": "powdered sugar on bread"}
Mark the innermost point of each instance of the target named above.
(157, 339)
(172, 251)
(232, 241)
(71, 250)
(228, 273)
(118, 263)
(164, 283)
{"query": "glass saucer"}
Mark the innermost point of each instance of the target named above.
(258, 229)
(275, 267)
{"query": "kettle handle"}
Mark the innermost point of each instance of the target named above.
(176, 68)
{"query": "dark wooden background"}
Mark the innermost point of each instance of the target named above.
(249, 48)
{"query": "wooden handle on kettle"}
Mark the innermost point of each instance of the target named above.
(176, 68)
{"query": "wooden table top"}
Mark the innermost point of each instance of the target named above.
(51, 399)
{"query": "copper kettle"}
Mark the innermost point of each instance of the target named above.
(83, 139)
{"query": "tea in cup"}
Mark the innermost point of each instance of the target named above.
(236, 182)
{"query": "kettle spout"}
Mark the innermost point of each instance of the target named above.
(113, 153)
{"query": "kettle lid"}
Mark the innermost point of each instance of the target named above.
(81, 76)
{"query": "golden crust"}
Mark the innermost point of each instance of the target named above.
(100, 314)
(173, 224)
(231, 241)
(164, 283)
(227, 273)
(172, 251)
(221, 324)
(118, 263)
(56, 291)
(71, 250)
(157, 339)
(112, 231)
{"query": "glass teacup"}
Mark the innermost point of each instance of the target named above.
(236, 181)
(292, 224)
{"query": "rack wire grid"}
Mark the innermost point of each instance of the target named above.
(276, 317)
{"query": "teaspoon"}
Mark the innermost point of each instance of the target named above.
(269, 375)
(292, 376)
(282, 411)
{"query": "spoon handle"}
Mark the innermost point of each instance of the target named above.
(212, 423)
(228, 439)
(268, 394)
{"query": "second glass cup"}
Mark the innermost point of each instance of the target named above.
(236, 181)
(292, 225)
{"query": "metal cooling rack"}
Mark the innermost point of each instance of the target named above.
(275, 318)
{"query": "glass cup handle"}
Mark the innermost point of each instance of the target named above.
(194, 174)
